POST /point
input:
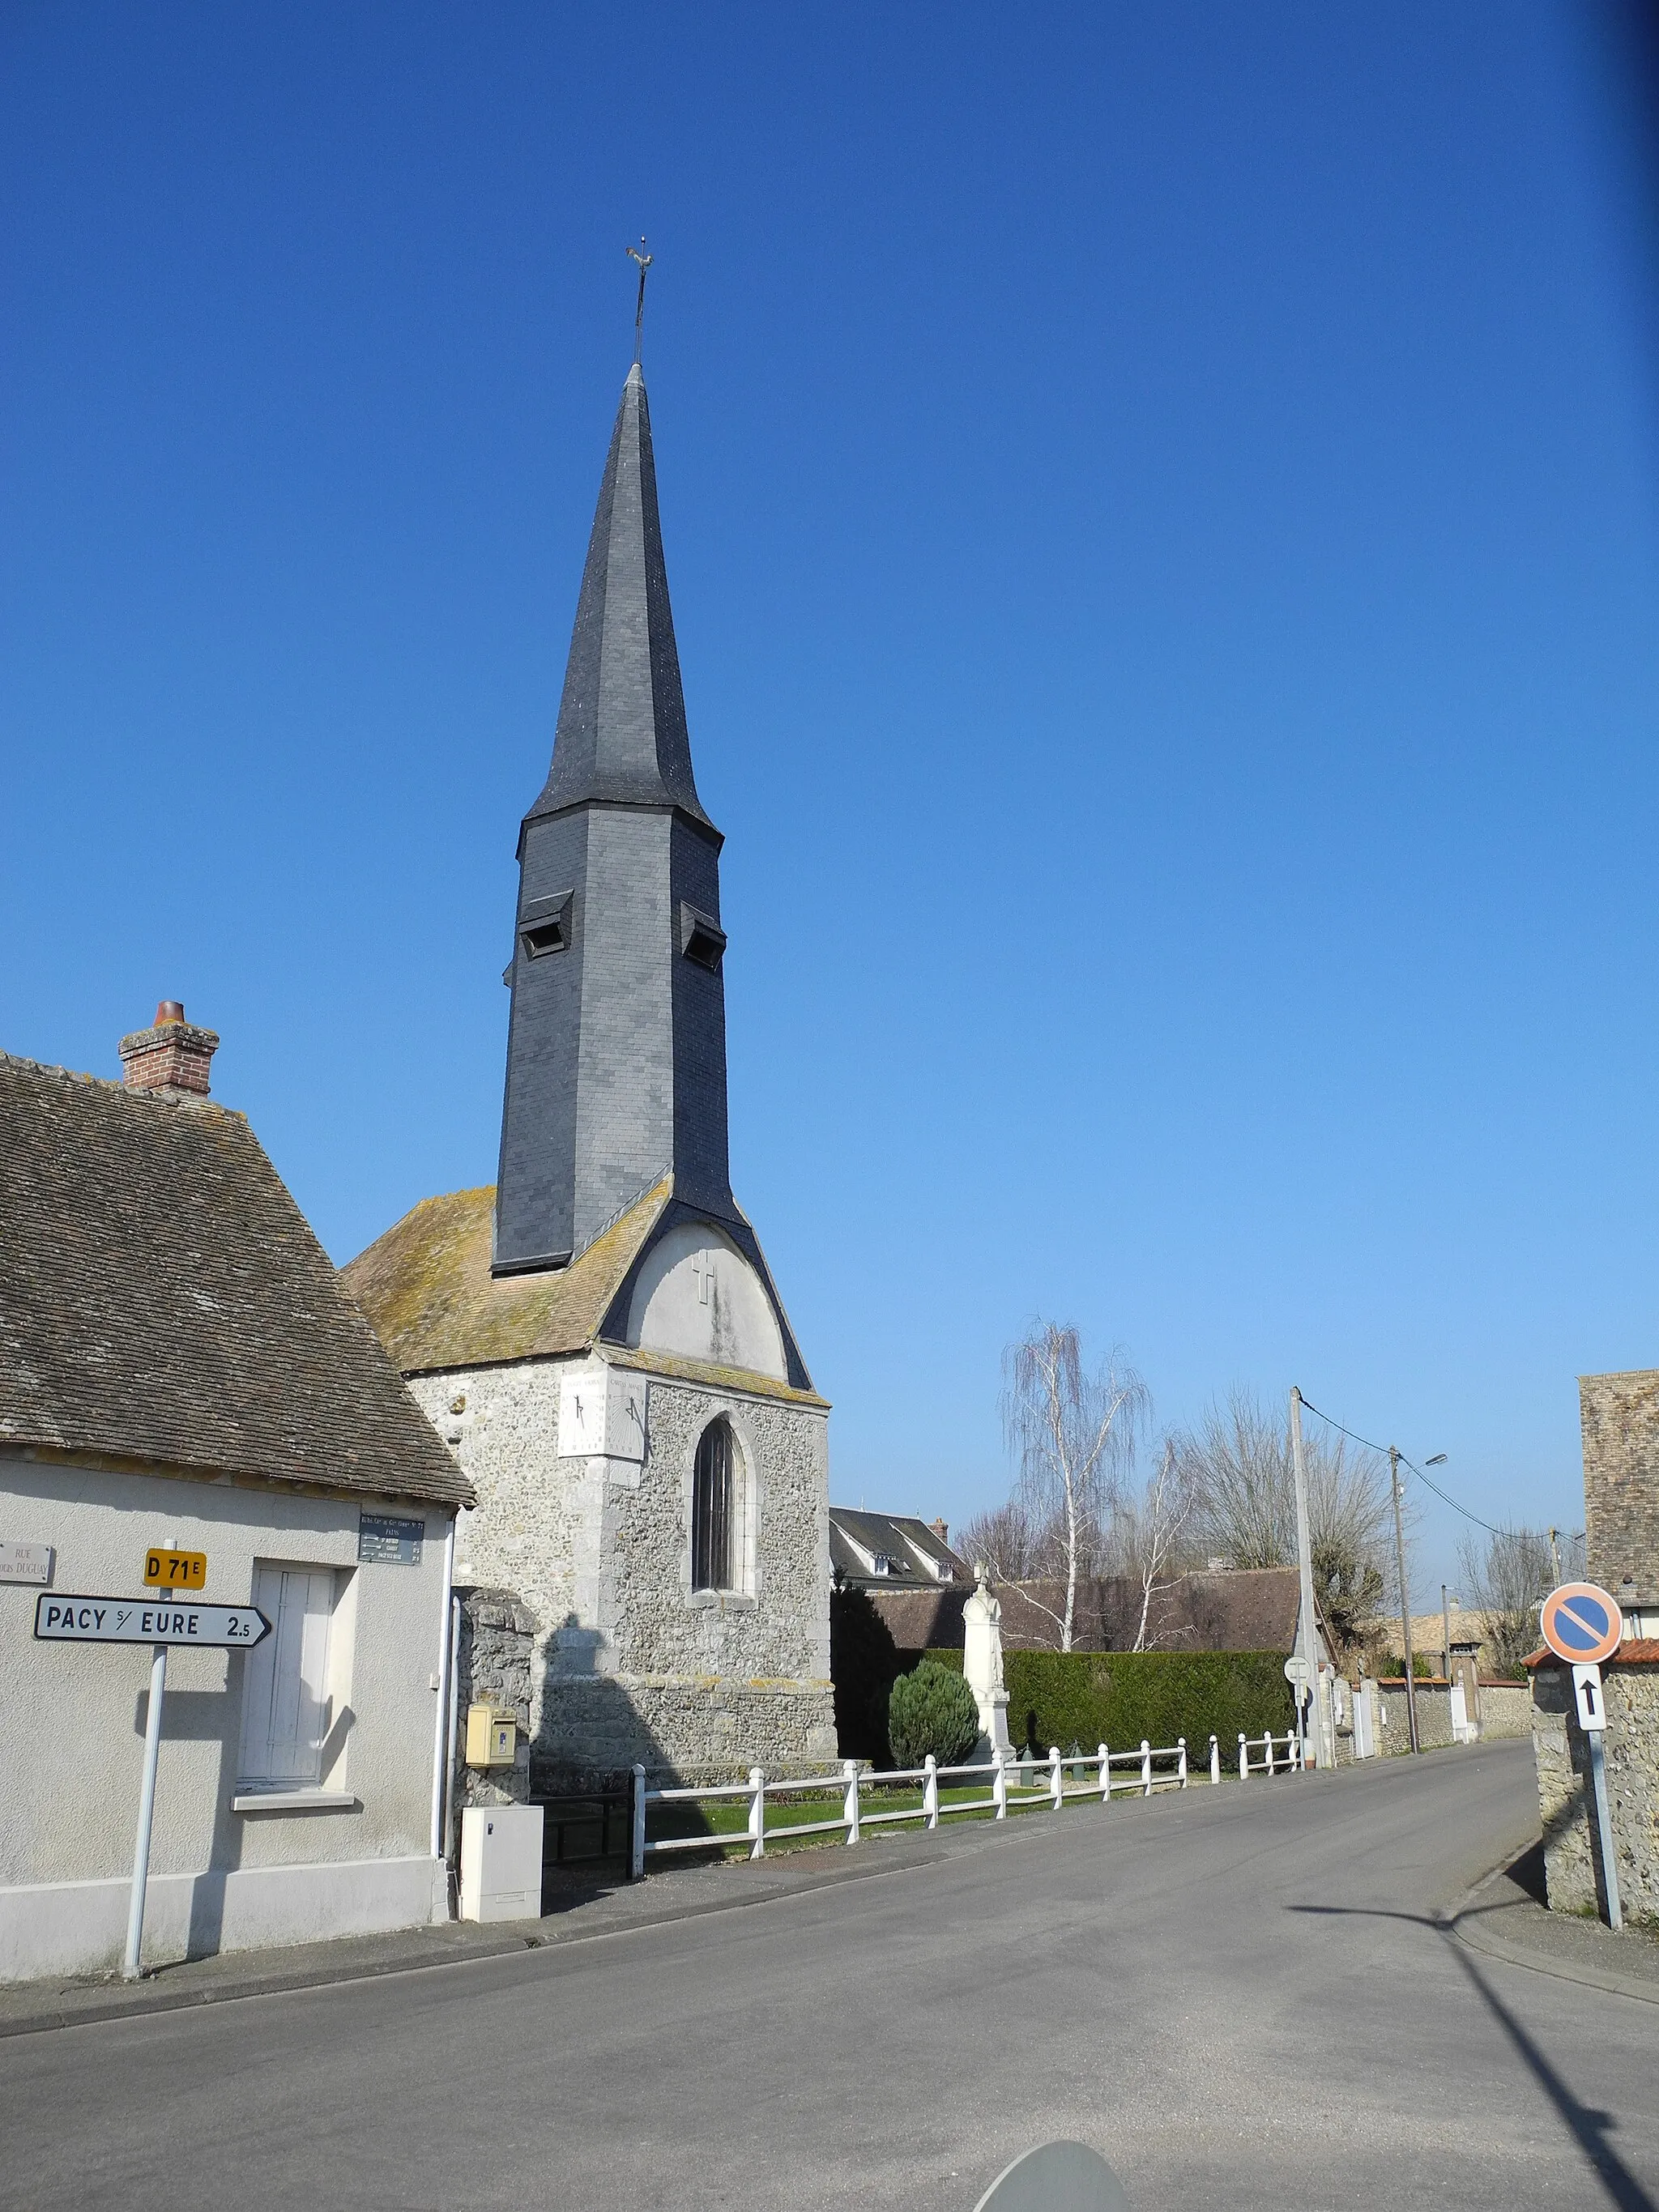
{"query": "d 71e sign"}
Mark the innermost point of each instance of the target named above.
(147, 1621)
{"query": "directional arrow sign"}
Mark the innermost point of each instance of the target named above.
(59, 1617)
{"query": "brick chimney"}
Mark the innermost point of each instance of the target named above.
(940, 1531)
(170, 1057)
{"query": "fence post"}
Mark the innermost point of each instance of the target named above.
(636, 1823)
(1000, 1788)
(850, 1810)
(1146, 1768)
(1215, 1761)
(930, 1790)
(1105, 1776)
(756, 1813)
(1182, 1770)
(1243, 1758)
(1267, 1740)
(1057, 1779)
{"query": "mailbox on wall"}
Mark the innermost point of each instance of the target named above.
(492, 1735)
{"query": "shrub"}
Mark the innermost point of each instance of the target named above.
(932, 1710)
(1117, 1698)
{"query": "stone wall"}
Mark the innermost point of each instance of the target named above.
(1434, 1731)
(1505, 1709)
(1565, 1798)
(492, 1668)
(627, 1664)
(1620, 1418)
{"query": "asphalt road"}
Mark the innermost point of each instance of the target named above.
(1241, 1996)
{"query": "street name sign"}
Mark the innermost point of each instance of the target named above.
(67, 1619)
(175, 1571)
(1582, 1624)
(25, 1563)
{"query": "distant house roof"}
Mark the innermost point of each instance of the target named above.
(163, 1301)
(1244, 1609)
(426, 1285)
(893, 1551)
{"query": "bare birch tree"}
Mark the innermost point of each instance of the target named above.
(1071, 1431)
(1144, 1542)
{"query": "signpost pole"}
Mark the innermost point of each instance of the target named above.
(1583, 1624)
(158, 1683)
(1604, 1829)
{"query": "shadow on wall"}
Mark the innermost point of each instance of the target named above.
(865, 1662)
(592, 1733)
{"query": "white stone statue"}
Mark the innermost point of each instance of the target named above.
(981, 1664)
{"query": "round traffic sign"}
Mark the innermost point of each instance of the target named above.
(1582, 1624)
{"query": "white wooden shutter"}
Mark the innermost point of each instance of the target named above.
(285, 1686)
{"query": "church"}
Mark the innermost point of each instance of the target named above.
(599, 1337)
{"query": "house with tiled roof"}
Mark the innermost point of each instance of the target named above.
(598, 1335)
(184, 1380)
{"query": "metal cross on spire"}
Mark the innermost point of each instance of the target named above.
(637, 253)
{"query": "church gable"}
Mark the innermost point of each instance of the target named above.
(696, 1295)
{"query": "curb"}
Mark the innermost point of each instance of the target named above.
(1479, 1937)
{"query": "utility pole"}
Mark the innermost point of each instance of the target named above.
(1445, 1627)
(1324, 1751)
(1555, 1557)
(1405, 1596)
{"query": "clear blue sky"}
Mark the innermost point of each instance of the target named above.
(1162, 519)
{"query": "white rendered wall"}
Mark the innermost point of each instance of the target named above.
(71, 1715)
(698, 1296)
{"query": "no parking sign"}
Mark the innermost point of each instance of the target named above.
(1582, 1624)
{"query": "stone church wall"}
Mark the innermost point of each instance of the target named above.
(626, 1663)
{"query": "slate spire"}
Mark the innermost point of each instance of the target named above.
(621, 732)
(616, 1070)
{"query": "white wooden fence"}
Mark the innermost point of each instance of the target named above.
(1010, 1787)
(1256, 1755)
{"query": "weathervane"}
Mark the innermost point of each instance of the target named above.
(635, 253)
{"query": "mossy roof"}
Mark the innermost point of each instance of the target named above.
(164, 1303)
(427, 1288)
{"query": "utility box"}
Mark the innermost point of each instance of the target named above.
(492, 1735)
(502, 1862)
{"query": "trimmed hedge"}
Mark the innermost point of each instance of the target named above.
(1117, 1698)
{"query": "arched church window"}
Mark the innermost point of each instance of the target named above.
(714, 1508)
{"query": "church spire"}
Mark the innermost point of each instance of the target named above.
(621, 734)
(616, 1063)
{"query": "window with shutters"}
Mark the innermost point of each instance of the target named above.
(285, 1683)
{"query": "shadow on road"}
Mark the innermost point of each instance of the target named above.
(1592, 2128)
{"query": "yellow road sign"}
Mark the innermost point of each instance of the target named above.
(175, 1570)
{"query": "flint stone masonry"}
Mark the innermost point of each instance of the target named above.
(493, 1661)
(1618, 1415)
(1565, 1797)
(626, 1664)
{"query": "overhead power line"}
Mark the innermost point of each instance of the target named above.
(1425, 1479)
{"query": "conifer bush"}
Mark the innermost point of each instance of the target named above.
(932, 1710)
